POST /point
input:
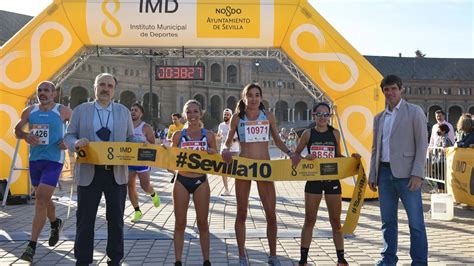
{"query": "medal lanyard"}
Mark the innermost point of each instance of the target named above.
(100, 120)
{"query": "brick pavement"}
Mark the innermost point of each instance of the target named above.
(149, 241)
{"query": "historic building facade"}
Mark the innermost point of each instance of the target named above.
(432, 83)
(221, 88)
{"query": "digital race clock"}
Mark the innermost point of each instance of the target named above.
(179, 73)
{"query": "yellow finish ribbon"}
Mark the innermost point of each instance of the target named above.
(127, 153)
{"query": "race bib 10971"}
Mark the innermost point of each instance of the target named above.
(257, 131)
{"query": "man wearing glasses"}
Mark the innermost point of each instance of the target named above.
(100, 121)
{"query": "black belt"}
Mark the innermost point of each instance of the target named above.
(105, 167)
(385, 164)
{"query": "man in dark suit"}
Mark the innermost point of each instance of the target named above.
(397, 167)
(100, 120)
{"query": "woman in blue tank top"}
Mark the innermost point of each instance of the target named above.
(193, 136)
(253, 126)
(322, 141)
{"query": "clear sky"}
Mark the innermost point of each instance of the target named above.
(439, 28)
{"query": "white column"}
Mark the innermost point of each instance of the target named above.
(293, 116)
(289, 115)
(308, 115)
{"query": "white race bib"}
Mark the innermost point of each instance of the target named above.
(42, 132)
(321, 151)
(257, 131)
(194, 145)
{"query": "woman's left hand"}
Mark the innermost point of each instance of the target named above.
(211, 151)
(295, 159)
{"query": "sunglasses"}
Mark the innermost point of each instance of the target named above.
(319, 114)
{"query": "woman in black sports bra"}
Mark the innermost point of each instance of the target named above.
(322, 141)
(193, 136)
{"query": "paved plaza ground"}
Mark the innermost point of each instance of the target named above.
(150, 240)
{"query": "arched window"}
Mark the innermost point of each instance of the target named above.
(231, 74)
(231, 103)
(127, 98)
(201, 100)
(471, 110)
(300, 111)
(78, 95)
(454, 113)
(154, 106)
(216, 73)
(216, 107)
(281, 111)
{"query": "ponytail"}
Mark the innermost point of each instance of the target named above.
(240, 109)
(261, 106)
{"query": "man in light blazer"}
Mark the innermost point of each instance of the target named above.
(397, 168)
(101, 120)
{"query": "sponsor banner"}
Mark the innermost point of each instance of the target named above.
(190, 23)
(460, 168)
(125, 153)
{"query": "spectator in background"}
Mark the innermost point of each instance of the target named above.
(177, 125)
(438, 161)
(222, 132)
(440, 119)
(465, 132)
(283, 137)
(292, 140)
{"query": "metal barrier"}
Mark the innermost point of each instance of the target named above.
(436, 168)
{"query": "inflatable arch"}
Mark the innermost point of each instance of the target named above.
(54, 38)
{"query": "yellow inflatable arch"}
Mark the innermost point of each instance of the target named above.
(54, 38)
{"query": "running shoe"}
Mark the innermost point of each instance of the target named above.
(137, 216)
(274, 261)
(342, 262)
(156, 200)
(28, 254)
(226, 193)
(54, 233)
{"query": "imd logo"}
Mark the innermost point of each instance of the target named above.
(158, 6)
